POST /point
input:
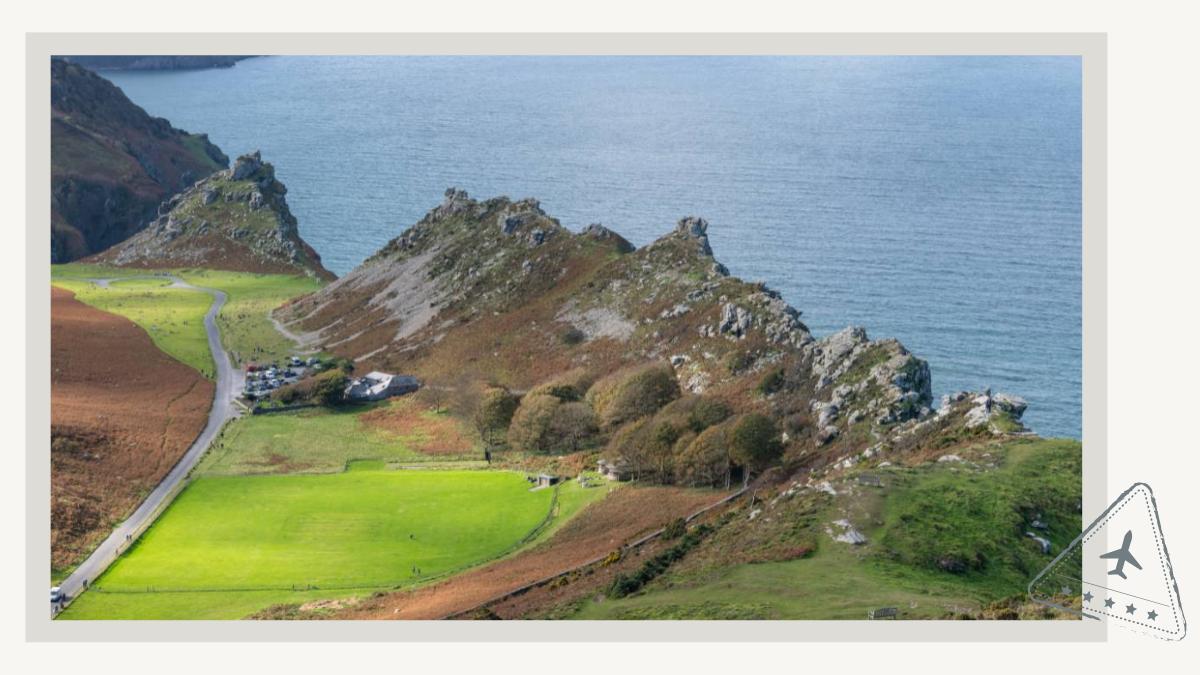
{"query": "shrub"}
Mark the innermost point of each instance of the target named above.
(329, 387)
(772, 382)
(624, 584)
(675, 529)
(494, 412)
(573, 425)
(544, 424)
(568, 386)
(738, 362)
(754, 442)
(573, 336)
(326, 388)
(633, 393)
(705, 460)
(706, 413)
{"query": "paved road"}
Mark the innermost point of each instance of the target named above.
(229, 385)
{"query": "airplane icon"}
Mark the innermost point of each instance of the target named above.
(1122, 556)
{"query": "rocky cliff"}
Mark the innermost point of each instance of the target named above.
(499, 291)
(111, 164)
(237, 219)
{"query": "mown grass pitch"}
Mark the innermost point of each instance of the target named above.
(264, 536)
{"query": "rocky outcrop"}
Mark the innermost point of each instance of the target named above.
(856, 379)
(500, 288)
(111, 164)
(237, 219)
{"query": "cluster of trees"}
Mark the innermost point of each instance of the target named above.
(327, 387)
(641, 416)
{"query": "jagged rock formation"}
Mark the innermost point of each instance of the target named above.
(111, 164)
(499, 290)
(237, 219)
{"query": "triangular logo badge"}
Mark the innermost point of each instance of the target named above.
(1118, 570)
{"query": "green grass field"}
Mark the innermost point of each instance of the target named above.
(251, 539)
(923, 514)
(246, 329)
(173, 317)
(316, 440)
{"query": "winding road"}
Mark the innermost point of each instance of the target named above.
(229, 384)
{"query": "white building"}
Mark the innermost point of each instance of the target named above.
(376, 386)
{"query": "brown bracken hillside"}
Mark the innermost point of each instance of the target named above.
(122, 413)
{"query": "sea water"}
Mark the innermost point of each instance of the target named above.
(932, 199)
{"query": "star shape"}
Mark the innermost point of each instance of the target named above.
(1152, 615)
(1130, 609)
(1087, 597)
(1108, 602)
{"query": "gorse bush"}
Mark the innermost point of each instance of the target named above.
(624, 585)
(675, 529)
(772, 382)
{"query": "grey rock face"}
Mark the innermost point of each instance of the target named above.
(246, 166)
(601, 233)
(517, 214)
(984, 406)
(828, 414)
(695, 228)
(827, 434)
(734, 322)
(899, 382)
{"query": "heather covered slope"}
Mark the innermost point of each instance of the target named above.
(236, 220)
(498, 291)
(111, 163)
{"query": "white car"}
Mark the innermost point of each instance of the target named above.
(57, 596)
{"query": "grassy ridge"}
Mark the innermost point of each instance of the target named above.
(923, 515)
(173, 317)
(246, 328)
